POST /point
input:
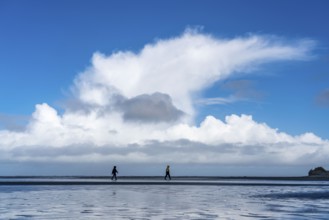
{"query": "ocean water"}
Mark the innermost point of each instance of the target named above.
(164, 201)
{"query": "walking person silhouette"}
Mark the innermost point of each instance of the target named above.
(114, 173)
(167, 173)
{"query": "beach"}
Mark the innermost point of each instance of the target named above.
(154, 198)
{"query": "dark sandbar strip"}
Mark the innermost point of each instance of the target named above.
(175, 183)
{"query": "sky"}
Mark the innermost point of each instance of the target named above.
(228, 88)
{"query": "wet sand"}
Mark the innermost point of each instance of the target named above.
(51, 183)
(188, 181)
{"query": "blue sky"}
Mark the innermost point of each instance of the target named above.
(50, 51)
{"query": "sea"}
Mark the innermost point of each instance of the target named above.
(147, 198)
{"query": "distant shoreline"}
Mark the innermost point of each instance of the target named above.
(199, 178)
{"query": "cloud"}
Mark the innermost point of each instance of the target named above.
(139, 107)
(322, 98)
(156, 107)
(237, 140)
(242, 90)
(12, 122)
(180, 67)
(216, 100)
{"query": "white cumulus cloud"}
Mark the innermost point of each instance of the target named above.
(179, 67)
(139, 107)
